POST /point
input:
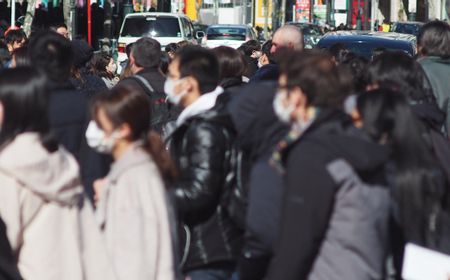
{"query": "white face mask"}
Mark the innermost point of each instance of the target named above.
(97, 139)
(169, 89)
(283, 113)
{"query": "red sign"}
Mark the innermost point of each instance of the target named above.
(355, 11)
(302, 10)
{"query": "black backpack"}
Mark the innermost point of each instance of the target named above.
(158, 104)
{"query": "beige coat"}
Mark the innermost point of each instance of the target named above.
(50, 225)
(133, 214)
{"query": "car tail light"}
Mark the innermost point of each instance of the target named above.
(121, 47)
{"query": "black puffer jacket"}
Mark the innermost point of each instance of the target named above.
(204, 150)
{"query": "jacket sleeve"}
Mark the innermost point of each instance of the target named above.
(202, 180)
(307, 206)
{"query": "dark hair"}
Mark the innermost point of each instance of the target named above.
(51, 53)
(165, 61)
(147, 53)
(24, 97)
(128, 49)
(55, 26)
(400, 72)
(21, 57)
(339, 51)
(5, 56)
(249, 47)
(201, 64)
(172, 47)
(125, 105)
(231, 62)
(265, 49)
(378, 51)
(318, 77)
(357, 66)
(183, 44)
(434, 39)
(15, 36)
(98, 63)
(387, 118)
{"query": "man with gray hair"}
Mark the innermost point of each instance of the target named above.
(288, 36)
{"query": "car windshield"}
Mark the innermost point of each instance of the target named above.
(227, 33)
(407, 29)
(151, 26)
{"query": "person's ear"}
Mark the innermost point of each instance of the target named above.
(191, 85)
(125, 131)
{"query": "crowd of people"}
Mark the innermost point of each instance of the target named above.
(265, 162)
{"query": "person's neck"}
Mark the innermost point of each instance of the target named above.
(190, 99)
(120, 149)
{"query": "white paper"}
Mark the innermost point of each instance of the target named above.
(423, 264)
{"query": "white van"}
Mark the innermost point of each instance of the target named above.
(166, 28)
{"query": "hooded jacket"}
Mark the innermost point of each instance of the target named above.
(310, 195)
(50, 225)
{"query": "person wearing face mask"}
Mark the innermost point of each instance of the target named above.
(132, 207)
(104, 66)
(313, 242)
(49, 223)
(202, 147)
(267, 68)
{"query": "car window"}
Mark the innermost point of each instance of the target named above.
(226, 33)
(407, 29)
(151, 26)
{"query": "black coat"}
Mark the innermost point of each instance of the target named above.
(203, 151)
(268, 72)
(8, 268)
(69, 116)
(310, 190)
(259, 130)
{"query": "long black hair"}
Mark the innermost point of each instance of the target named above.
(415, 175)
(401, 73)
(24, 97)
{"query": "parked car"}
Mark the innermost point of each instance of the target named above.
(410, 27)
(166, 28)
(364, 42)
(312, 33)
(228, 35)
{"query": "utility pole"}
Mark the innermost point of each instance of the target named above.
(283, 12)
(374, 14)
(13, 13)
(73, 19)
(266, 18)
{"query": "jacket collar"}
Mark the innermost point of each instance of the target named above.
(134, 156)
(202, 104)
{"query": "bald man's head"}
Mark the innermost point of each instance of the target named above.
(288, 36)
